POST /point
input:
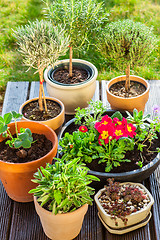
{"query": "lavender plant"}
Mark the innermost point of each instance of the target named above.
(82, 20)
(41, 44)
(126, 43)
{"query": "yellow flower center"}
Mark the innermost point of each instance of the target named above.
(105, 123)
(129, 129)
(118, 133)
(119, 123)
(105, 134)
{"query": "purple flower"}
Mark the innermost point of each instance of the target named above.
(156, 109)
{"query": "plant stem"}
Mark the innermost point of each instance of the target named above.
(40, 91)
(44, 99)
(9, 133)
(70, 60)
(127, 83)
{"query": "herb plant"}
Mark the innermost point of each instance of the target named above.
(23, 139)
(41, 44)
(125, 44)
(82, 20)
(63, 187)
(105, 139)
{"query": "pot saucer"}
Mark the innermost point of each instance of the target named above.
(126, 229)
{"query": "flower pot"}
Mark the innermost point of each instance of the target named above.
(54, 123)
(64, 226)
(121, 103)
(72, 95)
(137, 175)
(16, 177)
(133, 218)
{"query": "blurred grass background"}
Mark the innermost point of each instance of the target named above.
(19, 12)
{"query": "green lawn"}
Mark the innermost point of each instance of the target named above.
(17, 12)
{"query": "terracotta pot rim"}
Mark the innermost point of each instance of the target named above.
(59, 214)
(36, 98)
(132, 214)
(39, 159)
(139, 96)
(71, 86)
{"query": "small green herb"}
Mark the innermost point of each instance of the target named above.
(63, 186)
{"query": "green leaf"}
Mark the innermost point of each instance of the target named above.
(26, 143)
(118, 115)
(57, 196)
(17, 144)
(3, 128)
(7, 118)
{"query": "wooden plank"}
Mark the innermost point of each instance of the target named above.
(104, 95)
(16, 94)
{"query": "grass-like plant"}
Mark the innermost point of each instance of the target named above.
(125, 44)
(63, 187)
(82, 19)
(41, 44)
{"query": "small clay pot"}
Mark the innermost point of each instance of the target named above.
(65, 226)
(121, 103)
(16, 177)
(54, 123)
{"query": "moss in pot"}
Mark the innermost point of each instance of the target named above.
(106, 143)
(62, 197)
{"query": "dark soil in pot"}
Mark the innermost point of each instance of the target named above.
(136, 89)
(62, 75)
(40, 147)
(31, 111)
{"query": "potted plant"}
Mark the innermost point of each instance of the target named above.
(125, 44)
(62, 197)
(122, 206)
(42, 44)
(24, 146)
(73, 81)
(113, 144)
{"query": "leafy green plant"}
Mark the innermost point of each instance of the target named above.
(126, 43)
(41, 44)
(23, 139)
(105, 139)
(82, 19)
(63, 186)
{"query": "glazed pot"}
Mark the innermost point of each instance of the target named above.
(54, 123)
(16, 177)
(121, 103)
(72, 95)
(65, 226)
(137, 175)
(133, 218)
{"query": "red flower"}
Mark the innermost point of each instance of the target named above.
(83, 129)
(71, 146)
(118, 122)
(106, 133)
(119, 132)
(99, 126)
(130, 130)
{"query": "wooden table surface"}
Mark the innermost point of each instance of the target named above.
(19, 221)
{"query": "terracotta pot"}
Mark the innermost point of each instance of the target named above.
(64, 226)
(120, 103)
(16, 177)
(72, 95)
(133, 218)
(54, 123)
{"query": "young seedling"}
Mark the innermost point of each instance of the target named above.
(41, 44)
(23, 138)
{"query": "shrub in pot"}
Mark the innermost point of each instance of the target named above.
(62, 197)
(42, 44)
(19, 143)
(122, 205)
(74, 80)
(125, 44)
(113, 144)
